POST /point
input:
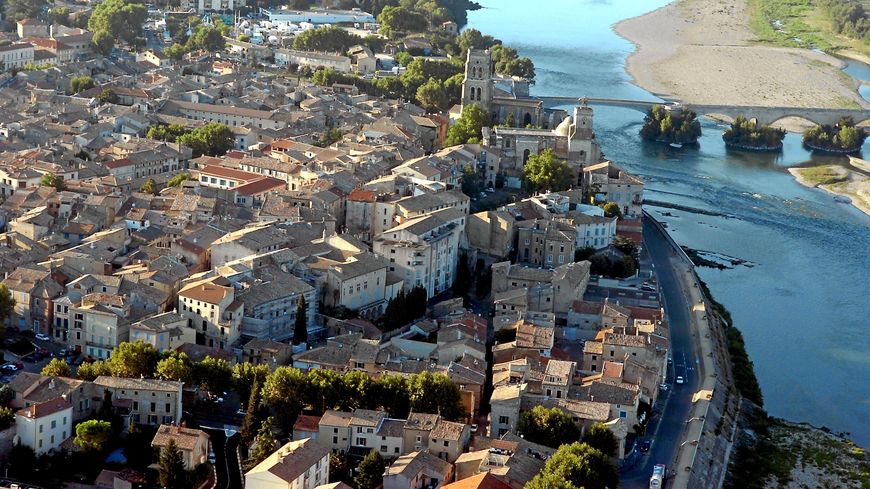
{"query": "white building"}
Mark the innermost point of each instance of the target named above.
(318, 16)
(424, 251)
(16, 55)
(302, 464)
(338, 62)
(44, 426)
(213, 310)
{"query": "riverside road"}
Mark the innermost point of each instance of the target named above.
(667, 435)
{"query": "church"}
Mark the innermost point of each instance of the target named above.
(522, 124)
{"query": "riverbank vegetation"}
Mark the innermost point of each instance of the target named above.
(747, 134)
(829, 25)
(822, 175)
(844, 137)
(668, 125)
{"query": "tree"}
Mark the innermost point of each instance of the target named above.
(462, 284)
(574, 466)
(401, 20)
(370, 473)
(165, 132)
(103, 43)
(90, 371)
(404, 58)
(213, 373)
(7, 303)
(7, 417)
(213, 139)
(471, 184)
(52, 180)
(93, 434)
(300, 327)
(624, 245)
(392, 392)
(108, 96)
(599, 436)
(174, 366)
(435, 393)
(467, 128)
(135, 360)
(172, 472)
(16, 10)
(550, 427)
(245, 374)
(544, 171)
(250, 425)
(338, 468)
(6, 394)
(432, 95)
(330, 39)
(79, 84)
(117, 19)
(299, 4)
(264, 445)
(283, 391)
(206, 38)
(150, 187)
(21, 461)
(611, 209)
(57, 368)
(178, 179)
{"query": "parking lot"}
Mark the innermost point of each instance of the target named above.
(16, 358)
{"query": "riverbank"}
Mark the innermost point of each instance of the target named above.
(838, 180)
(701, 51)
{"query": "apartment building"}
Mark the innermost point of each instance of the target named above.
(225, 114)
(213, 311)
(44, 426)
(302, 464)
(100, 321)
(152, 401)
(164, 332)
(16, 55)
(545, 243)
(284, 57)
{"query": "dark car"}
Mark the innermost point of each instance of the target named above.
(644, 445)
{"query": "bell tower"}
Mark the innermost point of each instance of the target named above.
(477, 86)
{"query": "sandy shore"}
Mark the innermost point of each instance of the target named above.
(852, 184)
(700, 51)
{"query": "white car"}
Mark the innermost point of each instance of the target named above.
(680, 379)
(42, 337)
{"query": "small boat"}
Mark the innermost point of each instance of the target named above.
(676, 145)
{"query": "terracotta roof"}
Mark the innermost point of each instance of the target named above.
(480, 481)
(307, 423)
(222, 171)
(360, 195)
(46, 408)
(185, 438)
(207, 291)
(259, 186)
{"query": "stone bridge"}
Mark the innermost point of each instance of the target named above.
(764, 115)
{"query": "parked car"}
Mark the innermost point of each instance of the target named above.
(680, 379)
(474, 428)
(9, 367)
(664, 387)
(42, 337)
(63, 353)
(644, 445)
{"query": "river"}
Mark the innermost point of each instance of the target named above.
(801, 300)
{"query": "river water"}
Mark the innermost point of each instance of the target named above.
(802, 298)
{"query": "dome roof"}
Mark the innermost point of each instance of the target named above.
(564, 127)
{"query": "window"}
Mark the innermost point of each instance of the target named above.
(335, 440)
(361, 441)
(384, 448)
(504, 420)
(53, 424)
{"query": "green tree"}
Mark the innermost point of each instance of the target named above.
(172, 472)
(174, 366)
(7, 303)
(135, 360)
(150, 187)
(90, 371)
(467, 128)
(392, 392)
(103, 42)
(599, 436)
(6, 394)
(432, 95)
(300, 326)
(21, 461)
(206, 38)
(283, 392)
(7, 417)
(52, 180)
(330, 39)
(176, 51)
(213, 139)
(435, 393)
(576, 466)
(213, 373)
(471, 182)
(544, 171)
(401, 20)
(57, 368)
(79, 84)
(339, 471)
(178, 179)
(119, 19)
(370, 473)
(251, 423)
(611, 209)
(16, 10)
(508, 63)
(264, 445)
(550, 427)
(245, 374)
(93, 434)
(404, 58)
(108, 96)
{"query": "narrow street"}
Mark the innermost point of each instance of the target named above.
(669, 433)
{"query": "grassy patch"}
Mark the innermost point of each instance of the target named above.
(822, 175)
(798, 23)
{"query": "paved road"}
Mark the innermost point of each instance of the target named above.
(669, 435)
(227, 468)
